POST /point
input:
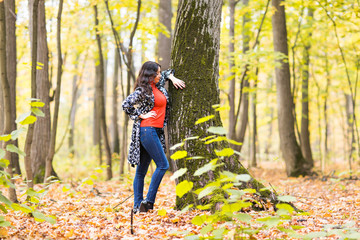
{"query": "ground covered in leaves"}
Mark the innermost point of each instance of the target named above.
(92, 211)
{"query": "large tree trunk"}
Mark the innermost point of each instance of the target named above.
(101, 93)
(195, 58)
(51, 153)
(11, 70)
(41, 136)
(305, 133)
(295, 162)
(6, 95)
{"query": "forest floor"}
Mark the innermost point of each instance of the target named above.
(87, 211)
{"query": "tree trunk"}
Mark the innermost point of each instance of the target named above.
(6, 96)
(244, 117)
(33, 9)
(326, 121)
(42, 127)
(11, 70)
(97, 126)
(254, 142)
(231, 96)
(115, 124)
(74, 97)
(305, 133)
(197, 31)
(100, 88)
(50, 156)
(350, 136)
(295, 162)
(164, 42)
(270, 133)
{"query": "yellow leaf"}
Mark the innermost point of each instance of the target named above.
(162, 212)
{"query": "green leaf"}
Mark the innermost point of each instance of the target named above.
(5, 138)
(194, 158)
(5, 200)
(286, 230)
(162, 212)
(5, 224)
(37, 112)
(191, 138)
(2, 208)
(13, 148)
(183, 187)
(243, 177)
(29, 120)
(287, 198)
(32, 193)
(286, 207)
(16, 133)
(40, 217)
(22, 117)
(187, 208)
(206, 229)
(217, 130)
(2, 154)
(203, 207)
(192, 237)
(207, 167)
(178, 173)
(218, 233)
(37, 104)
(176, 146)
(204, 119)
(269, 221)
(226, 152)
(178, 155)
(22, 207)
(206, 191)
(313, 235)
(199, 220)
(243, 217)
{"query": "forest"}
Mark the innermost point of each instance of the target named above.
(263, 143)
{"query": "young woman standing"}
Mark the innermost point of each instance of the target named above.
(149, 107)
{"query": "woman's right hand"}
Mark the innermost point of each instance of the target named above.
(148, 115)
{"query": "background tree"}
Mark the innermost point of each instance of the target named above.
(295, 163)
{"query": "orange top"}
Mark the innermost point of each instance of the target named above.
(159, 108)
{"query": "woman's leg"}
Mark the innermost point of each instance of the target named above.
(154, 148)
(141, 171)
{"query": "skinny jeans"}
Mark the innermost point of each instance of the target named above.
(150, 148)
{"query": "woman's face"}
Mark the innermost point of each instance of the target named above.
(157, 77)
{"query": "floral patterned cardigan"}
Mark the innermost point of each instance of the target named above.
(144, 105)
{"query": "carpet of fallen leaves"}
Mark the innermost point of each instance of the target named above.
(87, 211)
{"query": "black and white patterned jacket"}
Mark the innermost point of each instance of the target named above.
(138, 103)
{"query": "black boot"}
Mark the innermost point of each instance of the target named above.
(145, 206)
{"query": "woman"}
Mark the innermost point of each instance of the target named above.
(147, 140)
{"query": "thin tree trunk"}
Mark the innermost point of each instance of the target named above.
(295, 163)
(254, 142)
(50, 157)
(6, 96)
(231, 95)
(102, 110)
(244, 117)
(115, 124)
(164, 42)
(33, 7)
(305, 133)
(269, 137)
(350, 131)
(97, 126)
(11, 70)
(42, 127)
(74, 96)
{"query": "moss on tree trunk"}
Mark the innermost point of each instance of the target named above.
(195, 58)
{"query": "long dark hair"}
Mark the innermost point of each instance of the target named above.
(147, 74)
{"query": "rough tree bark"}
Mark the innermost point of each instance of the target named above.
(195, 58)
(6, 95)
(96, 119)
(305, 133)
(42, 127)
(101, 94)
(295, 162)
(51, 153)
(11, 64)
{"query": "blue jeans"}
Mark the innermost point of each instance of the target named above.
(150, 148)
